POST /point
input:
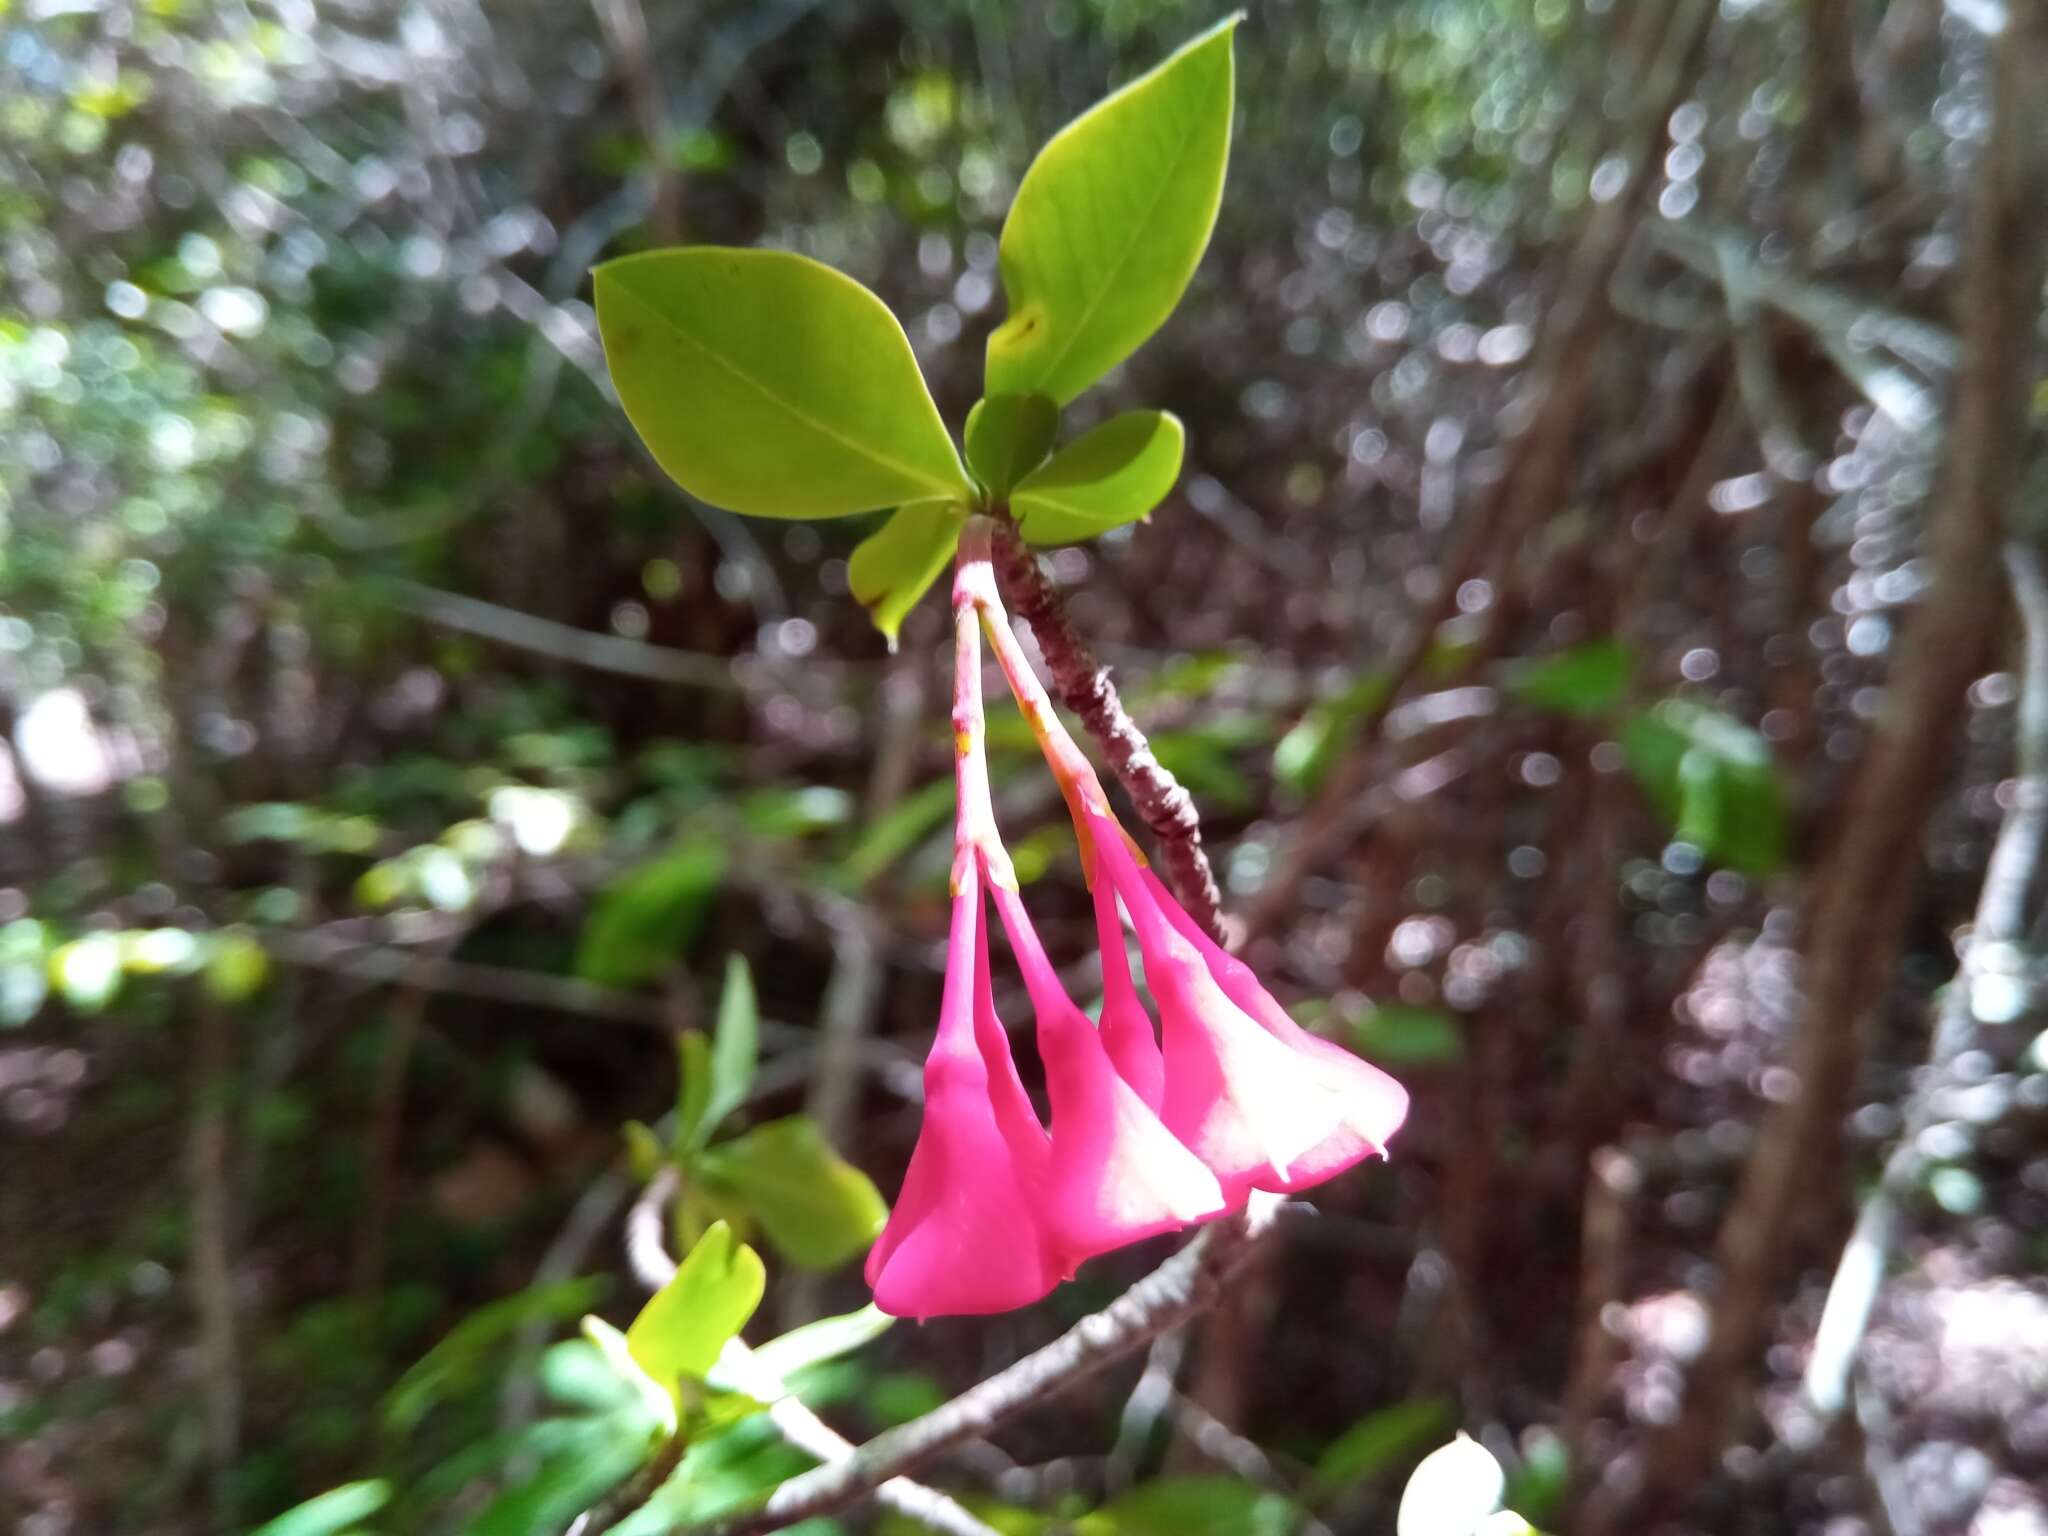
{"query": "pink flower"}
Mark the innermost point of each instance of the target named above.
(1149, 1133)
(1127, 1032)
(1374, 1104)
(1117, 1174)
(967, 1234)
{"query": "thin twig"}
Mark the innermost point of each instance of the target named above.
(1185, 1286)
(1084, 686)
(560, 642)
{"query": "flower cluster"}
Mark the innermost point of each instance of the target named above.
(1152, 1130)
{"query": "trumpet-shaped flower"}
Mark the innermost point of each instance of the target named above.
(966, 1234)
(1117, 1173)
(1127, 1032)
(1149, 1132)
(1374, 1104)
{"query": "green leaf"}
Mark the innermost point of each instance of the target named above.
(473, 1348)
(337, 1510)
(1111, 476)
(1008, 436)
(1380, 1441)
(770, 384)
(643, 921)
(1110, 222)
(693, 1088)
(583, 1460)
(796, 810)
(1586, 682)
(893, 568)
(1714, 780)
(1305, 755)
(660, 1405)
(1405, 1035)
(735, 1047)
(1537, 1487)
(826, 1339)
(890, 836)
(684, 1325)
(1197, 1506)
(816, 1208)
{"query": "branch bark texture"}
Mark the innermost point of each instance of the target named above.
(1083, 684)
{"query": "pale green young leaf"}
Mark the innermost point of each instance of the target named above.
(892, 569)
(817, 1209)
(735, 1047)
(1008, 436)
(684, 1325)
(768, 383)
(1112, 476)
(1110, 222)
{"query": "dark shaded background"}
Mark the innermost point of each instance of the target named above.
(1555, 360)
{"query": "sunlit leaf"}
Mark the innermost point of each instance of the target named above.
(678, 1334)
(236, 966)
(1114, 475)
(86, 972)
(895, 566)
(817, 1209)
(768, 383)
(1110, 222)
(1008, 436)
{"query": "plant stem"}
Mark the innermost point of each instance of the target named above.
(1084, 686)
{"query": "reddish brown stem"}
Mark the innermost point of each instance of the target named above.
(1084, 686)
